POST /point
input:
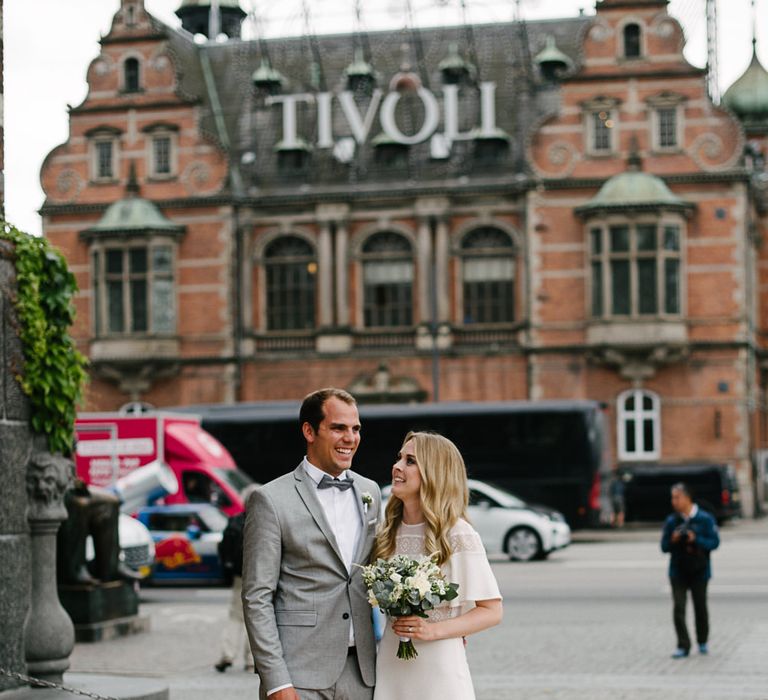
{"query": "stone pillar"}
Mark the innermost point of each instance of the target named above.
(342, 281)
(49, 632)
(15, 445)
(325, 273)
(424, 271)
(442, 255)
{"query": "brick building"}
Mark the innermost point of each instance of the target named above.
(540, 210)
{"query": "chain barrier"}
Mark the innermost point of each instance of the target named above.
(39, 683)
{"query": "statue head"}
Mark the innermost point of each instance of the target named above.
(48, 476)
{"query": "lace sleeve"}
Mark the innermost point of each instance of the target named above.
(469, 567)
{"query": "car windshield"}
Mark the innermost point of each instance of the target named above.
(214, 519)
(234, 477)
(502, 496)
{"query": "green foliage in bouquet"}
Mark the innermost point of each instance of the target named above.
(403, 586)
(53, 374)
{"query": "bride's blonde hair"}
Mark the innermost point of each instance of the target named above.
(444, 496)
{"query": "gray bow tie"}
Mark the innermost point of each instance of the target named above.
(342, 484)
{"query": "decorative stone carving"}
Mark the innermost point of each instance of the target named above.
(382, 387)
(49, 635)
(47, 478)
(638, 364)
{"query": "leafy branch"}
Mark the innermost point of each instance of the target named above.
(54, 373)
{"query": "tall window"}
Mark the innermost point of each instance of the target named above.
(602, 124)
(632, 47)
(131, 82)
(134, 290)
(667, 127)
(635, 269)
(387, 281)
(291, 273)
(161, 155)
(104, 160)
(639, 425)
(488, 264)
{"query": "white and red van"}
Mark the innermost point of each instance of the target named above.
(110, 446)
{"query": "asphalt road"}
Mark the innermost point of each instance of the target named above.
(592, 622)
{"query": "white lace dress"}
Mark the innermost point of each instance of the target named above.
(440, 671)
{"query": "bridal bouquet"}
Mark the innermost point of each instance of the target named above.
(403, 586)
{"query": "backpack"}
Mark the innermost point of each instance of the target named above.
(231, 546)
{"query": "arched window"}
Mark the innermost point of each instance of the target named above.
(632, 41)
(387, 280)
(639, 425)
(291, 272)
(488, 265)
(131, 75)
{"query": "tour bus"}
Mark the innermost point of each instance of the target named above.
(547, 452)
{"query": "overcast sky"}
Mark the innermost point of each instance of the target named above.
(50, 43)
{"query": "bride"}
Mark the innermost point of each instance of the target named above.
(426, 514)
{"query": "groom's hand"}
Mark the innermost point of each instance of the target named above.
(285, 694)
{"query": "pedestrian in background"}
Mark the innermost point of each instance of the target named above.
(689, 535)
(234, 639)
(616, 493)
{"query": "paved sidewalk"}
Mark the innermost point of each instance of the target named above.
(591, 623)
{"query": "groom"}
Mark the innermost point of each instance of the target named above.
(305, 605)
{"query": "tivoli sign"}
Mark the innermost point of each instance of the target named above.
(360, 124)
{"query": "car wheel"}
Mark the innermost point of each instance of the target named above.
(523, 544)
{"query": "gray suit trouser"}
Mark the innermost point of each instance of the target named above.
(350, 686)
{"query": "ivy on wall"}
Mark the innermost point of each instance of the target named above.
(54, 374)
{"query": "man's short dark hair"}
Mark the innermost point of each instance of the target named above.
(682, 488)
(312, 407)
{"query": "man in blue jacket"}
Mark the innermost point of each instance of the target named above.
(689, 535)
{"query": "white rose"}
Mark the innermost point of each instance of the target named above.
(395, 577)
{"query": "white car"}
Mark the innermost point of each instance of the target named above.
(510, 526)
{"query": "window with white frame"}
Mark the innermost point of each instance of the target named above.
(638, 425)
(600, 123)
(387, 260)
(667, 127)
(162, 155)
(134, 289)
(290, 265)
(635, 268)
(103, 154)
(488, 271)
(666, 110)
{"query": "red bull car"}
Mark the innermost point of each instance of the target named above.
(186, 539)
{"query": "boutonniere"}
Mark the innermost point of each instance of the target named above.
(367, 500)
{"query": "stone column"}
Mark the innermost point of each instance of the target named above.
(342, 282)
(325, 275)
(442, 255)
(424, 271)
(15, 445)
(49, 632)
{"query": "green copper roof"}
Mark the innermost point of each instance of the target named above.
(634, 189)
(134, 214)
(207, 3)
(454, 60)
(359, 67)
(265, 74)
(748, 96)
(551, 54)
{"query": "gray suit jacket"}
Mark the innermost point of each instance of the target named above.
(297, 593)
